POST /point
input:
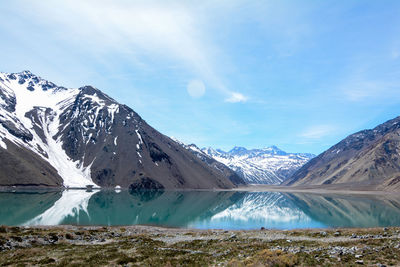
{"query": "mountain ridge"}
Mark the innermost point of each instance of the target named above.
(368, 158)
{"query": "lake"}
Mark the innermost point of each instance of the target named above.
(198, 209)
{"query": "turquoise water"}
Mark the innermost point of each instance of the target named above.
(198, 209)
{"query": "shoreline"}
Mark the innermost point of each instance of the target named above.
(159, 246)
(158, 228)
(246, 188)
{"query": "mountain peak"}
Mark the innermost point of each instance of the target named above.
(31, 81)
(211, 151)
(25, 72)
(273, 147)
(96, 94)
(274, 150)
(238, 149)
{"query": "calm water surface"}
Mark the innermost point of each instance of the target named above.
(227, 210)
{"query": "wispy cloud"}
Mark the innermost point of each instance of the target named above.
(196, 88)
(362, 90)
(366, 90)
(318, 131)
(140, 30)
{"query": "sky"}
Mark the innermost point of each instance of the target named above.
(301, 75)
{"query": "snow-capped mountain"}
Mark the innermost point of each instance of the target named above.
(54, 136)
(269, 165)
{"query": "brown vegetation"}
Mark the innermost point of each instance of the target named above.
(151, 246)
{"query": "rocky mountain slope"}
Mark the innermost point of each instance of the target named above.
(260, 166)
(54, 136)
(369, 159)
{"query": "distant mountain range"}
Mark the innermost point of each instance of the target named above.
(59, 137)
(369, 159)
(54, 136)
(269, 165)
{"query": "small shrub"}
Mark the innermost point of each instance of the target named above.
(3, 229)
(47, 261)
(17, 238)
(69, 236)
(125, 260)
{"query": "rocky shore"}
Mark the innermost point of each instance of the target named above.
(155, 246)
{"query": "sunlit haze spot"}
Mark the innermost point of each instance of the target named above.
(196, 88)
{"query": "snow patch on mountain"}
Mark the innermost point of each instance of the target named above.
(38, 105)
(73, 172)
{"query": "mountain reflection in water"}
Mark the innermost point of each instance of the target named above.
(198, 209)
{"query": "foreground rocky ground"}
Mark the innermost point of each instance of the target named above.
(153, 246)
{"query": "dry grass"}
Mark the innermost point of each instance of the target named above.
(130, 246)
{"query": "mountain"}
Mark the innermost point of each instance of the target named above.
(369, 159)
(54, 136)
(269, 165)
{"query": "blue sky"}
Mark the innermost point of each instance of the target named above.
(301, 75)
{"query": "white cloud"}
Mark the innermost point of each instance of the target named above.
(361, 90)
(142, 31)
(318, 131)
(196, 88)
(236, 98)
